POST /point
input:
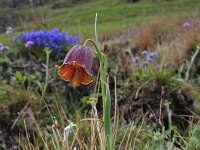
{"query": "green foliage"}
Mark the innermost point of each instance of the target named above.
(80, 16)
(194, 137)
(19, 76)
(160, 76)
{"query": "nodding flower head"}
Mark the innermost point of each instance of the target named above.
(77, 66)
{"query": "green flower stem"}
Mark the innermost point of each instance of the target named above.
(48, 52)
(102, 70)
(105, 96)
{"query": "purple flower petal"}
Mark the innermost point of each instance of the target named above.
(137, 59)
(9, 30)
(144, 52)
(144, 63)
(187, 24)
(149, 59)
(149, 126)
(29, 43)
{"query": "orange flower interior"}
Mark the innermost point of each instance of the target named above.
(74, 73)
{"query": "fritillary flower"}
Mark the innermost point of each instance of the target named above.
(77, 65)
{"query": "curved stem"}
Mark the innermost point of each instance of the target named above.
(102, 71)
(105, 96)
(48, 52)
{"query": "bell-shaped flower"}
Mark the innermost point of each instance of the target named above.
(77, 66)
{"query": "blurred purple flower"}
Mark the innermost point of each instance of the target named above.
(187, 24)
(3, 47)
(15, 40)
(149, 59)
(144, 63)
(130, 62)
(137, 59)
(29, 43)
(153, 55)
(149, 126)
(9, 30)
(144, 52)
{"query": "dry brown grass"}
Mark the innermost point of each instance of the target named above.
(169, 37)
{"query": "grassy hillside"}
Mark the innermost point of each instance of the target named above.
(113, 14)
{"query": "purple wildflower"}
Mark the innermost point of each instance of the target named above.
(3, 47)
(144, 52)
(137, 59)
(149, 59)
(153, 55)
(187, 24)
(29, 43)
(149, 126)
(130, 62)
(53, 39)
(9, 30)
(15, 40)
(144, 63)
